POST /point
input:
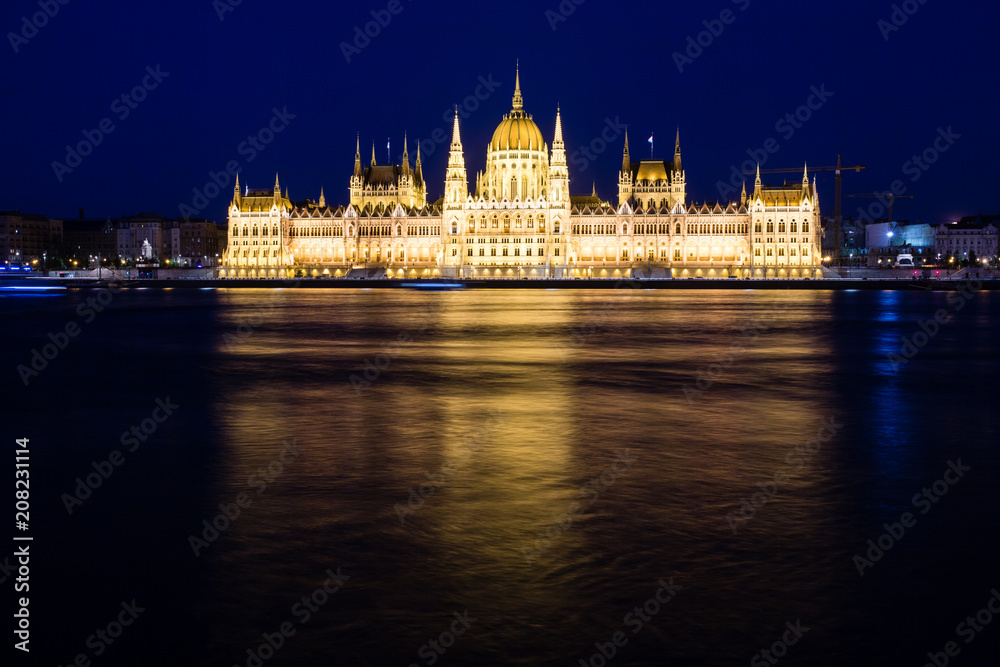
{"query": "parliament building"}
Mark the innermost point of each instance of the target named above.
(520, 221)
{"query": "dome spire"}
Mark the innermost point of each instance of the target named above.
(518, 100)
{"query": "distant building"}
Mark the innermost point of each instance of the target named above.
(885, 241)
(84, 238)
(199, 243)
(976, 234)
(27, 237)
(162, 235)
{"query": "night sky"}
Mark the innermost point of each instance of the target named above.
(888, 92)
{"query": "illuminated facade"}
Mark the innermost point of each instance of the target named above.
(520, 221)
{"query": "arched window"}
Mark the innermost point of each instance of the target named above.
(781, 227)
(805, 227)
(677, 228)
(625, 231)
(756, 252)
(770, 227)
(781, 252)
(794, 227)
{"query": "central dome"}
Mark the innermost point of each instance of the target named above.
(517, 131)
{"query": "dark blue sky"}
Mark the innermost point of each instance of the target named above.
(890, 94)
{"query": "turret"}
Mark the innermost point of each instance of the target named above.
(357, 158)
(236, 192)
(626, 161)
(406, 157)
(322, 198)
(677, 153)
(418, 172)
(558, 173)
(456, 185)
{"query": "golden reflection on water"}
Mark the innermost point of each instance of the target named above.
(505, 404)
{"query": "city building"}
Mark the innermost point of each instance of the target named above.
(26, 239)
(520, 220)
(885, 241)
(972, 237)
(148, 237)
(86, 238)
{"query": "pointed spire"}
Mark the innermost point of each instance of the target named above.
(677, 151)
(277, 188)
(593, 193)
(236, 189)
(558, 139)
(518, 100)
(743, 196)
(418, 172)
(626, 162)
(456, 137)
(322, 198)
(357, 157)
(805, 176)
(756, 182)
(406, 156)
(373, 153)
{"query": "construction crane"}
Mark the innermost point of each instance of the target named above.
(883, 196)
(837, 213)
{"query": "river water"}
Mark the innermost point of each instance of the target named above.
(525, 477)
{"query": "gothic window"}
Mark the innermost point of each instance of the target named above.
(770, 252)
(770, 227)
(677, 228)
(625, 229)
(482, 252)
(528, 252)
(781, 227)
(493, 252)
(469, 252)
(805, 227)
(781, 252)
(505, 252)
(794, 227)
(756, 252)
(517, 252)
(556, 253)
